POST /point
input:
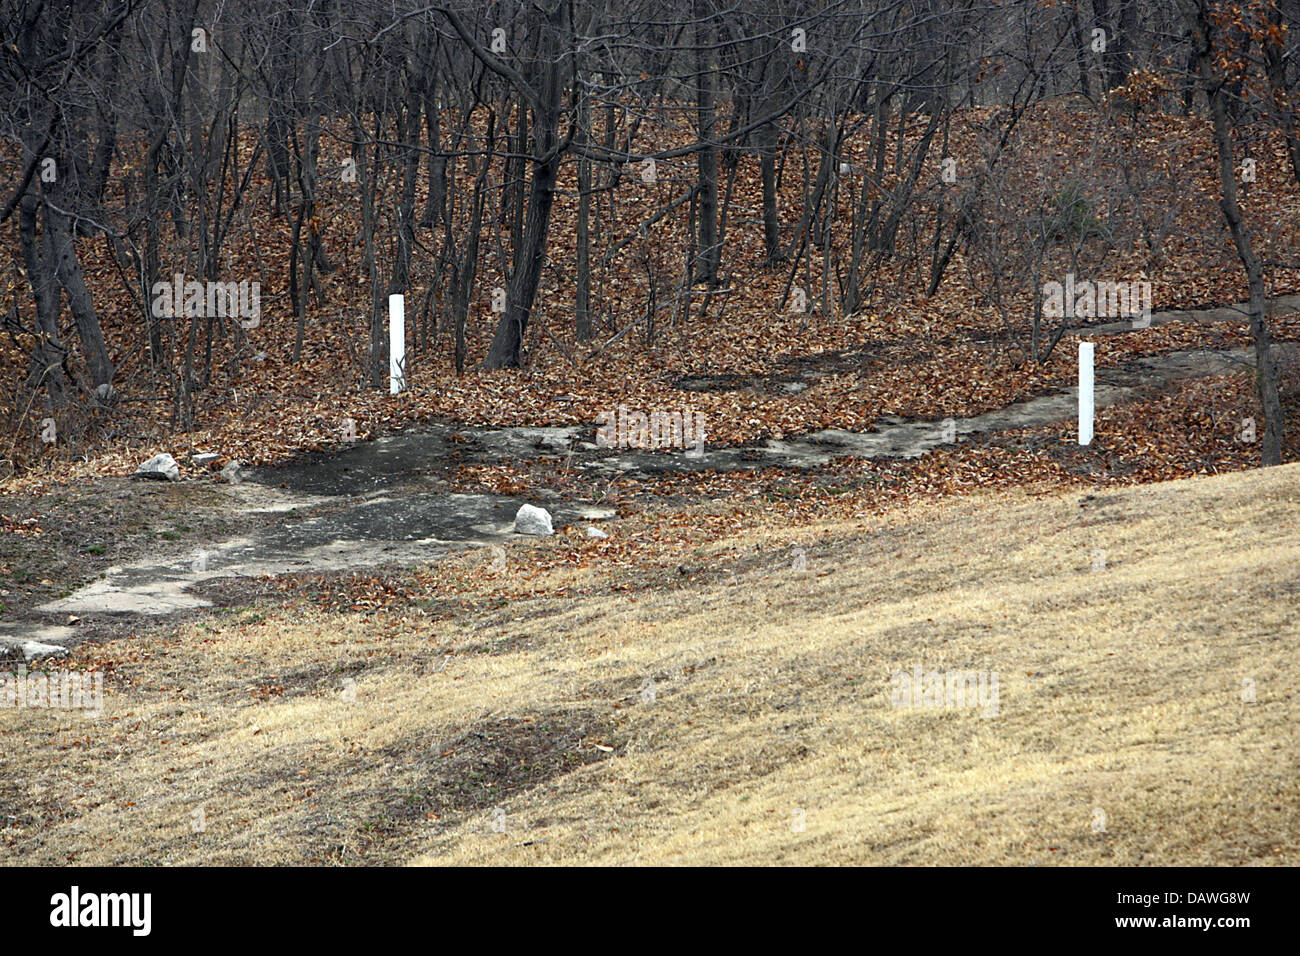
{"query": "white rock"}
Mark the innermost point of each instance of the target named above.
(594, 532)
(162, 467)
(35, 649)
(530, 520)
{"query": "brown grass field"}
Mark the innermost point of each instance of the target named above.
(738, 715)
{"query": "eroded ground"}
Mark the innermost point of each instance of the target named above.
(733, 707)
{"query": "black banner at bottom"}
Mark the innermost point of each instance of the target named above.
(929, 906)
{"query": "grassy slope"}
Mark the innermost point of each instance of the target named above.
(1119, 690)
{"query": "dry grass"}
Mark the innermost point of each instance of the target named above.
(1120, 690)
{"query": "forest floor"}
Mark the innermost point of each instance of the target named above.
(735, 706)
(732, 354)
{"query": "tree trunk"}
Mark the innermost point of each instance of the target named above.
(1080, 53)
(437, 163)
(1265, 367)
(767, 139)
(706, 263)
(530, 252)
(67, 267)
(47, 352)
(582, 296)
(1283, 104)
(1113, 57)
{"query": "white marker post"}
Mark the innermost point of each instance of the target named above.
(1086, 403)
(396, 344)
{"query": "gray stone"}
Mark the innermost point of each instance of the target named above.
(204, 458)
(33, 650)
(32, 643)
(531, 520)
(160, 468)
(594, 532)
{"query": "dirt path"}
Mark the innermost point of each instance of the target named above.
(387, 502)
(1279, 305)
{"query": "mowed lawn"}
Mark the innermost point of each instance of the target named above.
(1146, 646)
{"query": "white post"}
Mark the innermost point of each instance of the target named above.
(396, 344)
(1086, 404)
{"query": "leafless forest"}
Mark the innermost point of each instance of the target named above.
(565, 184)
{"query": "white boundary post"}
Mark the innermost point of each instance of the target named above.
(396, 344)
(1086, 399)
